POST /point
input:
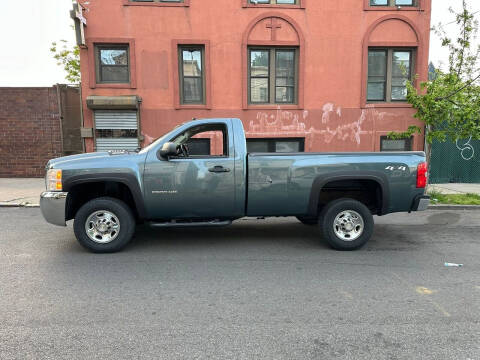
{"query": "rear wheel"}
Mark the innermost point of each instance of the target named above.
(346, 224)
(104, 225)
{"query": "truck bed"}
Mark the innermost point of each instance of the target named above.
(282, 183)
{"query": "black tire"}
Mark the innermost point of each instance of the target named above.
(327, 221)
(116, 207)
(307, 220)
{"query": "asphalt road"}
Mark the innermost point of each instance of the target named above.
(265, 289)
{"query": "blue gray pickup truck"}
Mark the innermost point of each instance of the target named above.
(177, 181)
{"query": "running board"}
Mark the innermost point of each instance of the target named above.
(191, 224)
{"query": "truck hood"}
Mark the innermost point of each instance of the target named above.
(73, 159)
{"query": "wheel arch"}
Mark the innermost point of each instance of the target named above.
(321, 181)
(75, 184)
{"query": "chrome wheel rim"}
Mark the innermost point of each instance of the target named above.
(102, 226)
(348, 225)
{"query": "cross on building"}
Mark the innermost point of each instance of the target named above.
(80, 22)
(274, 25)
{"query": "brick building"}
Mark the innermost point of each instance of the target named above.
(303, 75)
(37, 124)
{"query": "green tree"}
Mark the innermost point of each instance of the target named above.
(449, 103)
(69, 58)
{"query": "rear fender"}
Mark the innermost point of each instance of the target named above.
(321, 180)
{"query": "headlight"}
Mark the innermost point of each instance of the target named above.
(54, 180)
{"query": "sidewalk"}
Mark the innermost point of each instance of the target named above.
(455, 188)
(26, 192)
(20, 191)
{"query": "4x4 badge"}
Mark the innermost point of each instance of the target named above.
(392, 168)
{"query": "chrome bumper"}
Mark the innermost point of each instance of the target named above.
(421, 203)
(52, 205)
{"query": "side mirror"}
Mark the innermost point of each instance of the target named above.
(168, 149)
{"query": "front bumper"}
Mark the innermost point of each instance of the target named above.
(421, 203)
(52, 205)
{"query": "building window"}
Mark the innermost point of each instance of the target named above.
(273, 76)
(112, 64)
(274, 2)
(393, 2)
(388, 72)
(159, 1)
(387, 144)
(192, 74)
(287, 145)
(286, 4)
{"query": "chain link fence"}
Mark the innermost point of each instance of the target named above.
(457, 162)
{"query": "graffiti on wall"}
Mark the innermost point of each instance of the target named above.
(351, 131)
(281, 121)
(332, 126)
(467, 152)
(328, 127)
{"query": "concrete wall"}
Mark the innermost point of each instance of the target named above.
(333, 37)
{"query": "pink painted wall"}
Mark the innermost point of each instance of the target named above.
(333, 37)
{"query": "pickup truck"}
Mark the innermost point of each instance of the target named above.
(200, 174)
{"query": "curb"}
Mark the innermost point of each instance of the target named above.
(454, 207)
(16, 205)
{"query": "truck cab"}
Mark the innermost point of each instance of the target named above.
(198, 182)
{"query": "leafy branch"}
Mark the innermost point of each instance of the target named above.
(449, 103)
(69, 59)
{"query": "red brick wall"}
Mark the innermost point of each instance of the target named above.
(30, 132)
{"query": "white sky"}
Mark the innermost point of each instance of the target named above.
(28, 27)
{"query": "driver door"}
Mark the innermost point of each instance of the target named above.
(198, 184)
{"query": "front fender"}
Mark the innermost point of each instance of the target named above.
(130, 180)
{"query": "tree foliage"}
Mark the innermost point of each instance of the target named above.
(69, 58)
(449, 103)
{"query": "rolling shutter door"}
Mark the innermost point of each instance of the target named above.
(116, 130)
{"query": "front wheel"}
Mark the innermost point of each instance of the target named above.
(346, 224)
(104, 225)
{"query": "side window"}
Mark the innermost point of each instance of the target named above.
(205, 140)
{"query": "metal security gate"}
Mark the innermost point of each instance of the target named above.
(457, 162)
(116, 130)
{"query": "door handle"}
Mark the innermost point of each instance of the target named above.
(218, 169)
